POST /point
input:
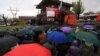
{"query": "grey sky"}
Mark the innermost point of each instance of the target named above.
(27, 7)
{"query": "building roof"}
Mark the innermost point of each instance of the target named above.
(45, 3)
(25, 17)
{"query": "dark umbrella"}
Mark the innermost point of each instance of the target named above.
(57, 37)
(24, 32)
(7, 42)
(98, 34)
(71, 37)
(39, 28)
(87, 37)
(4, 32)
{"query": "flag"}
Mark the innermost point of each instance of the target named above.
(70, 19)
(98, 18)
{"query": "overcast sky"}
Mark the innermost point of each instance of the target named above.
(27, 7)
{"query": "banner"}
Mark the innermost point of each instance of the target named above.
(98, 18)
(52, 12)
(70, 19)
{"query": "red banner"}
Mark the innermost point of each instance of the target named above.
(70, 19)
(52, 12)
(98, 18)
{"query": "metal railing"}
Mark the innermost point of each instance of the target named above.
(81, 22)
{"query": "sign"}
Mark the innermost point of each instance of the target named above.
(70, 19)
(52, 12)
(98, 18)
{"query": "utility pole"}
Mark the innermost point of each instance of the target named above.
(13, 12)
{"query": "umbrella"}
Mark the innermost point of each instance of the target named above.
(66, 29)
(21, 33)
(29, 50)
(24, 32)
(98, 31)
(71, 37)
(7, 42)
(38, 28)
(57, 37)
(87, 37)
(4, 32)
(88, 26)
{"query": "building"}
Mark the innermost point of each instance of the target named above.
(87, 19)
(65, 9)
(25, 19)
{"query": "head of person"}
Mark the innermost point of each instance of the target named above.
(75, 43)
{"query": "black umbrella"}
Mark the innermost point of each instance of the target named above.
(3, 32)
(23, 32)
(98, 34)
(7, 42)
(38, 28)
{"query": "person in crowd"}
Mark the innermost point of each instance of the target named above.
(94, 32)
(42, 37)
(61, 50)
(96, 48)
(51, 47)
(36, 35)
(98, 31)
(74, 49)
(87, 49)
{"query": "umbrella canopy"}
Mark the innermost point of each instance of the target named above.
(87, 37)
(24, 32)
(57, 37)
(29, 50)
(38, 28)
(98, 34)
(4, 32)
(66, 29)
(7, 42)
(88, 26)
(71, 37)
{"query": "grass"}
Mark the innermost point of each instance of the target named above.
(12, 27)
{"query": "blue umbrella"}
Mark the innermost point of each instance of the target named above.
(57, 38)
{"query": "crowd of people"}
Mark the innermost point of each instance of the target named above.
(73, 47)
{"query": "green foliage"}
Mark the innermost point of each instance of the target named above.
(12, 27)
(78, 7)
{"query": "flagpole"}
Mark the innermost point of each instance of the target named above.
(60, 4)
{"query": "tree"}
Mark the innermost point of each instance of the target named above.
(78, 8)
(5, 19)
